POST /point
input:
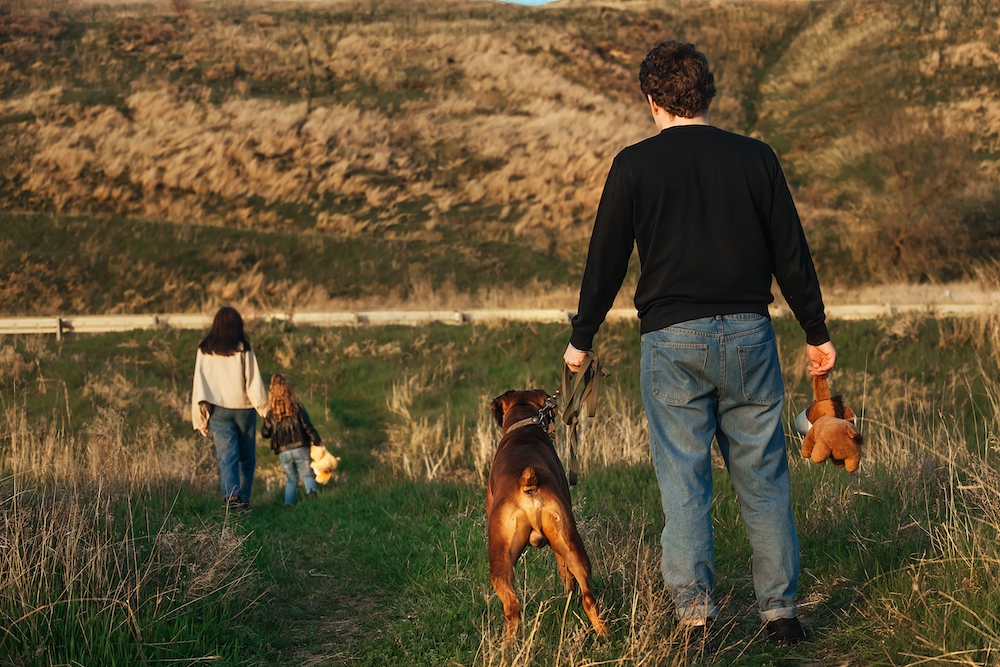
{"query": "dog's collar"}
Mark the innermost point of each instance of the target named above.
(528, 421)
(546, 417)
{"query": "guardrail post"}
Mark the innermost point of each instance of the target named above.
(58, 329)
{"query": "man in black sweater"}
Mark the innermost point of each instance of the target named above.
(713, 220)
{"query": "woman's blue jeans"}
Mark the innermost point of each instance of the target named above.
(296, 465)
(235, 433)
(720, 377)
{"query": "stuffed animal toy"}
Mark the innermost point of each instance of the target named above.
(829, 429)
(323, 463)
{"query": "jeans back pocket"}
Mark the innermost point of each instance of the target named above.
(678, 370)
(761, 373)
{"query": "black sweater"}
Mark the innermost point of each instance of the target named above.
(291, 432)
(713, 220)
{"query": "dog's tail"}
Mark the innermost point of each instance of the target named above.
(529, 481)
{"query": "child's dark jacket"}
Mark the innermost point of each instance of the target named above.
(291, 432)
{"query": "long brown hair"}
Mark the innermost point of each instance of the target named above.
(282, 401)
(226, 336)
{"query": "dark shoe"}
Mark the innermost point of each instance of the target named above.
(310, 495)
(786, 631)
(235, 505)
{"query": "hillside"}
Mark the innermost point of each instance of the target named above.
(454, 151)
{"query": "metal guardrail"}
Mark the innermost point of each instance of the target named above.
(111, 323)
(876, 311)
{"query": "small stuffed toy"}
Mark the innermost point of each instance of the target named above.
(323, 463)
(829, 429)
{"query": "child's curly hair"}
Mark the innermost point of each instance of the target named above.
(281, 399)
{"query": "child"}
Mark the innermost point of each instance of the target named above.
(291, 433)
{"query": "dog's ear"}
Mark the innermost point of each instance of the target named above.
(496, 407)
(540, 397)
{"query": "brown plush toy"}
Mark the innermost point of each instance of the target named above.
(829, 429)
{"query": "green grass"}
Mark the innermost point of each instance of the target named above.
(53, 265)
(380, 570)
(114, 581)
(344, 375)
(397, 574)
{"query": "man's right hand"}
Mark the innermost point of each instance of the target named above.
(821, 358)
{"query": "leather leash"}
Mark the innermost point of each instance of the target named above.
(589, 377)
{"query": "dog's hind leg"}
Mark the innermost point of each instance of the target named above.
(568, 581)
(505, 548)
(569, 549)
(580, 568)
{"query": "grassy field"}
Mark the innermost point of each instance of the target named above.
(177, 156)
(388, 565)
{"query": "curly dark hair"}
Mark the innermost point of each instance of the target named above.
(227, 336)
(676, 75)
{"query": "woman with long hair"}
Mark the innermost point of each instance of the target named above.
(292, 435)
(228, 393)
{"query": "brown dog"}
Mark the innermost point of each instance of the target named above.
(528, 502)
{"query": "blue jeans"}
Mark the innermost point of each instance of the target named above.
(296, 464)
(719, 377)
(235, 434)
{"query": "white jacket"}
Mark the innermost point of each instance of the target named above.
(227, 381)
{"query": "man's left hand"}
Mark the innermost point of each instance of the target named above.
(574, 358)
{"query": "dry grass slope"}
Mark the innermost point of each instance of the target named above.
(375, 120)
(888, 116)
(351, 122)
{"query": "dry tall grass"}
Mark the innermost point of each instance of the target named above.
(348, 124)
(886, 112)
(419, 448)
(77, 584)
(108, 452)
(85, 577)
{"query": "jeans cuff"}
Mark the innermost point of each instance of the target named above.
(695, 611)
(781, 612)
